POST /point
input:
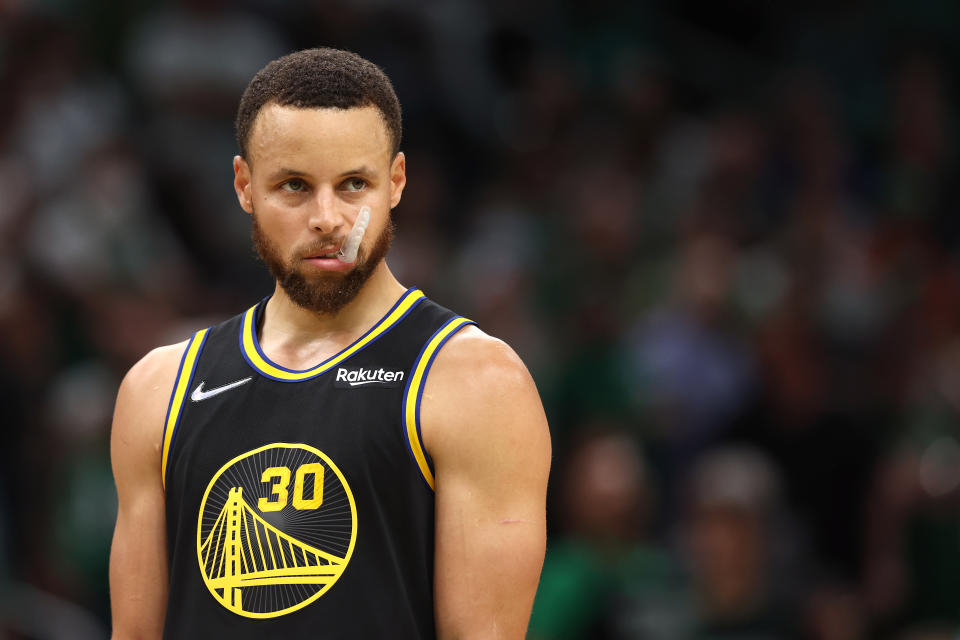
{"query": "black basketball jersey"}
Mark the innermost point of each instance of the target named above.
(299, 504)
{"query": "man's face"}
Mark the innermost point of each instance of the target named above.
(309, 173)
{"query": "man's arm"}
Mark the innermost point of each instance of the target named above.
(483, 425)
(138, 558)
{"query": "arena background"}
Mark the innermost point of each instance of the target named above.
(723, 236)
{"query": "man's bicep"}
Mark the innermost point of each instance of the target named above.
(138, 557)
(487, 561)
(138, 568)
(488, 436)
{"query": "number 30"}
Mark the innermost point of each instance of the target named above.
(279, 477)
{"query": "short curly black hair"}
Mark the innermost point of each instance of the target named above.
(319, 78)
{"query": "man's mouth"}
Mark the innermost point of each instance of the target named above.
(327, 253)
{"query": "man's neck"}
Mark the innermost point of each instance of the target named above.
(299, 338)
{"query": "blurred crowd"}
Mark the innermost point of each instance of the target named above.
(724, 238)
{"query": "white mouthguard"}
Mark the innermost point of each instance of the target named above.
(348, 251)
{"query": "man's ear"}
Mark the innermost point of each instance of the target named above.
(241, 183)
(398, 178)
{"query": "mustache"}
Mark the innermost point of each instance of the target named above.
(321, 247)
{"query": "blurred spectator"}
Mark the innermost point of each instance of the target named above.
(742, 569)
(83, 503)
(835, 611)
(188, 71)
(913, 557)
(493, 273)
(605, 578)
(692, 374)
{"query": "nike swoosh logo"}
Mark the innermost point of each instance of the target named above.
(199, 394)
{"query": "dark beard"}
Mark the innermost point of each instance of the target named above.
(322, 294)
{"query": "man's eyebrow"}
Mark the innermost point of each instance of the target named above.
(362, 170)
(284, 172)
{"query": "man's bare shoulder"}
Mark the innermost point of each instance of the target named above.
(471, 354)
(156, 367)
(478, 384)
(142, 402)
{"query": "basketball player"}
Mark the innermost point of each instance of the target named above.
(347, 458)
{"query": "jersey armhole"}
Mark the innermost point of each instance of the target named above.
(188, 365)
(413, 393)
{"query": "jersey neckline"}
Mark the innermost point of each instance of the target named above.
(258, 360)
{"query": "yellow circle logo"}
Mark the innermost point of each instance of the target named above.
(276, 530)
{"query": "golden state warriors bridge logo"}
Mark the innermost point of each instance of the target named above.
(276, 530)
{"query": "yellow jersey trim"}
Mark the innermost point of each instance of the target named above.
(185, 374)
(250, 347)
(414, 393)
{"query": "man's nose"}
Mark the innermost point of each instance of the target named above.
(325, 215)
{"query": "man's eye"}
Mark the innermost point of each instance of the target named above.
(355, 184)
(294, 185)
